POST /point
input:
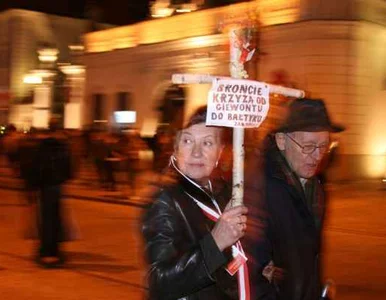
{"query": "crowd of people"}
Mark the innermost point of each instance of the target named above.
(197, 244)
(45, 159)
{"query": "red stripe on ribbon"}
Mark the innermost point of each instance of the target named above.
(242, 273)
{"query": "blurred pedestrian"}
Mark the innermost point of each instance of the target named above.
(53, 168)
(124, 157)
(11, 147)
(288, 256)
(27, 159)
(163, 148)
(100, 153)
(189, 229)
(27, 155)
(110, 143)
(137, 158)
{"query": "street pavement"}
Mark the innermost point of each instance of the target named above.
(355, 241)
(106, 262)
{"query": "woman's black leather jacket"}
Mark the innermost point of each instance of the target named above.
(184, 260)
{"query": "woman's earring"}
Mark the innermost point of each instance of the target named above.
(172, 159)
(216, 164)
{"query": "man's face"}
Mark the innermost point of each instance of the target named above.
(304, 165)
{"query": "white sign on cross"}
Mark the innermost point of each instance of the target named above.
(237, 103)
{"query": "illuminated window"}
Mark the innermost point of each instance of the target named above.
(123, 101)
(98, 100)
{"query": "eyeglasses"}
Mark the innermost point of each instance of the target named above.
(309, 149)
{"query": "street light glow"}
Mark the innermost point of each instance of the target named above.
(76, 47)
(161, 9)
(162, 12)
(48, 54)
(32, 79)
(72, 69)
(186, 8)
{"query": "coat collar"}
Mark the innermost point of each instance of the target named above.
(182, 189)
(278, 167)
(192, 188)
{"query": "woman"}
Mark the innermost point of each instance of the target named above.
(187, 246)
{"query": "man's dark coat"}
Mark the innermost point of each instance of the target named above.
(292, 235)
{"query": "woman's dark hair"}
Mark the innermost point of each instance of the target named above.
(199, 116)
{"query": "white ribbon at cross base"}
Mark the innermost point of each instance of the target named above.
(238, 264)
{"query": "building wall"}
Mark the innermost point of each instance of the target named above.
(4, 69)
(22, 32)
(334, 60)
(366, 10)
(30, 30)
(146, 72)
(333, 50)
(4, 52)
(340, 62)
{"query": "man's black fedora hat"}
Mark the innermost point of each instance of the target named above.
(308, 115)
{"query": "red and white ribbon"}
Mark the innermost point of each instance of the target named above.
(237, 249)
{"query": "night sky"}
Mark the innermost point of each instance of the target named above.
(119, 12)
(107, 11)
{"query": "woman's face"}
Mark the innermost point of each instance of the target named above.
(198, 150)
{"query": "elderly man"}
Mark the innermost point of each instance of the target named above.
(288, 254)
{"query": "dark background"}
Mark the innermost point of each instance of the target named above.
(117, 12)
(106, 11)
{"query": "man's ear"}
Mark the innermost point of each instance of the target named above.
(280, 140)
